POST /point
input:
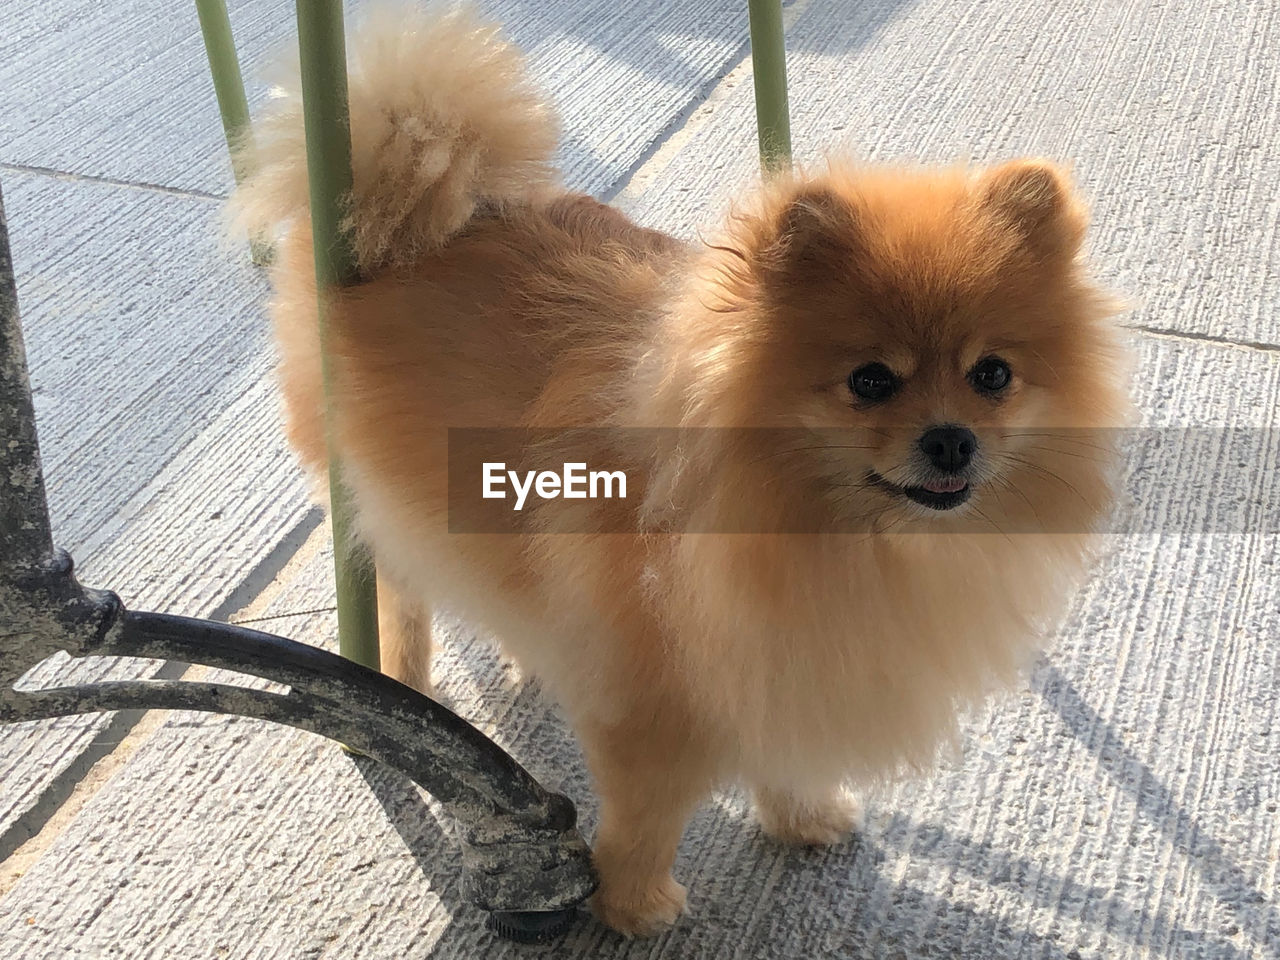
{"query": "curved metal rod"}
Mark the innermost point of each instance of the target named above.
(315, 714)
(419, 726)
(521, 852)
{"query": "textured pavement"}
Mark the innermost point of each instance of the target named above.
(1123, 804)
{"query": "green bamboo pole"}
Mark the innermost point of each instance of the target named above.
(328, 133)
(228, 85)
(769, 71)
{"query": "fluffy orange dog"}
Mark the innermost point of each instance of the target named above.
(911, 354)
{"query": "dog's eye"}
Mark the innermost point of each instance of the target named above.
(990, 375)
(875, 381)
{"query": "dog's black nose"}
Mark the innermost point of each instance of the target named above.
(949, 448)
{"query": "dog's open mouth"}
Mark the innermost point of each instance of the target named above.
(941, 494)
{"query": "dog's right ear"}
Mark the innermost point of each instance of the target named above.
(1035, 197)
(813, 234)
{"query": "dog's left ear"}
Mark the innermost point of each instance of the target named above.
(1036, 197)
(814, 233)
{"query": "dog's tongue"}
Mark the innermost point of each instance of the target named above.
(947, 485)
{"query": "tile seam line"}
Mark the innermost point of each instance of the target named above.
(108, 181)
(1169, 333)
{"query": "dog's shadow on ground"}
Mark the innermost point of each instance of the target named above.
(749, 897)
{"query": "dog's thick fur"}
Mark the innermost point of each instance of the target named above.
(799, 663)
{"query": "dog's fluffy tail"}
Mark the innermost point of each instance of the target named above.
(444, 122)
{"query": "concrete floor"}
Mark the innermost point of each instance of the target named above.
(1122, 805)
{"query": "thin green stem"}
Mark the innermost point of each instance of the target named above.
(228, 85)
(215, 27)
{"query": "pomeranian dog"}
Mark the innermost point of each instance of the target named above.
(883, 397)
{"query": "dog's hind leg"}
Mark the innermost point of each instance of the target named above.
(404, 628)
(816, 819)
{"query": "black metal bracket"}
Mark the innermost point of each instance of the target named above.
(523, 859)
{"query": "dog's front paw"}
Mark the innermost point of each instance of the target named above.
(807, 821)
(639, 912)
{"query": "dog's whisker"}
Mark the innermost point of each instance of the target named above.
(1065, 438)
(1100, 458)
(1044, 471)
(1005, 484)
(995, 525)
